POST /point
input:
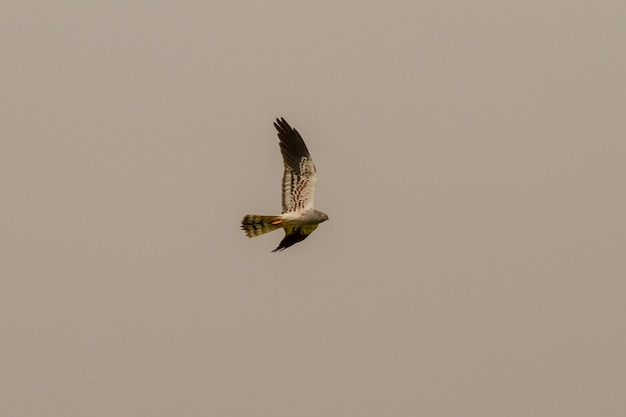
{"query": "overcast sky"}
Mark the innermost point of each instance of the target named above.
(471, 157)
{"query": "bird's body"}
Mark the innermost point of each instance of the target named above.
(299, 218)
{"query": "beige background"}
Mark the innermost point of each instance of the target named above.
(471, 158)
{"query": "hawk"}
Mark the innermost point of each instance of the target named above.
(299, 219)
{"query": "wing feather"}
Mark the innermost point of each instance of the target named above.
(294, 235)
(299, 175)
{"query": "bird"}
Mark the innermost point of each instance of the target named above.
(299, 218)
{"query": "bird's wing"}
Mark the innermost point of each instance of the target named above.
(299, 177)
(294, 235)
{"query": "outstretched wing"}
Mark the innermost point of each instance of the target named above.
(294, 235)
(299, 177)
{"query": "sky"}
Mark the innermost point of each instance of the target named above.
(470, 155)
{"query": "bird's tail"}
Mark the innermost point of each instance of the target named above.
(257, 225)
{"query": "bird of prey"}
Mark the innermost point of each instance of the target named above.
(299, 219)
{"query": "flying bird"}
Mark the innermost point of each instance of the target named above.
(299, 219)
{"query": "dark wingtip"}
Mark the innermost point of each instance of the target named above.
(279, 248)
(281, 125)
(292, 145)
(291, 239)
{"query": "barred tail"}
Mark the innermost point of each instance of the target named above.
(257, 225)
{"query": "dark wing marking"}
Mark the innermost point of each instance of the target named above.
(294, 235)
(299, 176)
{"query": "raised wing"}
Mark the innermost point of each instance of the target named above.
(294, 235)
(299, 177)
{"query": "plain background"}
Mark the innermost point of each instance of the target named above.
(471, 157)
